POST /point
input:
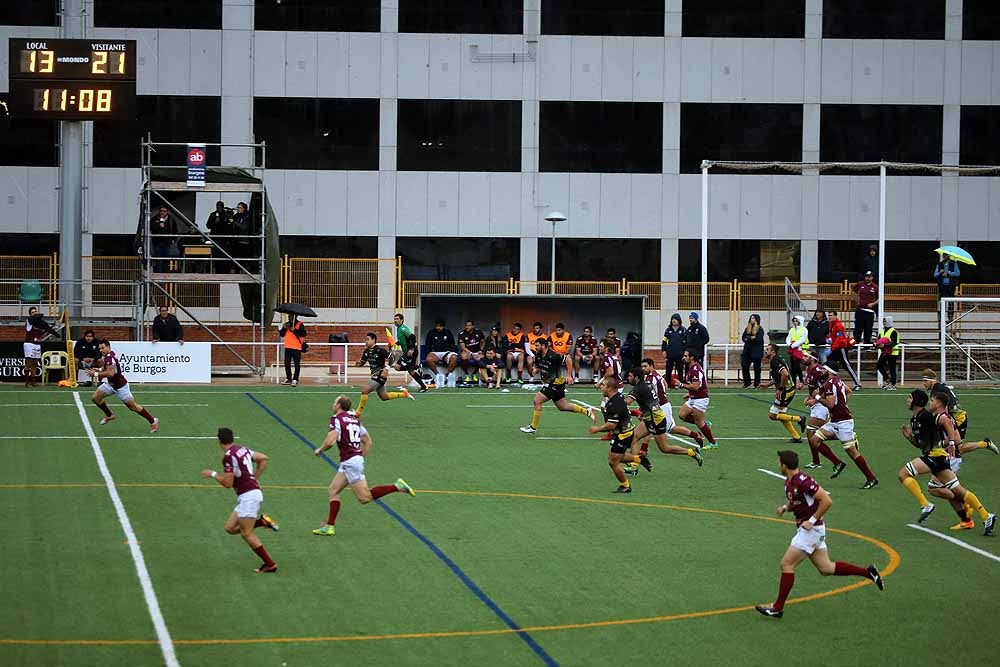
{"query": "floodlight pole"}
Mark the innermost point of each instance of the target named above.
(704, 243)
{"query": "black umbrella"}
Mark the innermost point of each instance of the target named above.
(295, 309)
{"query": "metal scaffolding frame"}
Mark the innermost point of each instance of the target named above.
(155, 282)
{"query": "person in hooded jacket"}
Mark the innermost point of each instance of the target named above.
(818, 330)
(697, 336)
(888, 352)
(753, 351)
(673, 346)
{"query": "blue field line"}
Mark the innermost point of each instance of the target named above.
(462, 576)
(764, 400)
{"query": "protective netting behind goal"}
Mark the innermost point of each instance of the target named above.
(972, 341)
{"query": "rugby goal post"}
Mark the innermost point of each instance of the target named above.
(969, 344)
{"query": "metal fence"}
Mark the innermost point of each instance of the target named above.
(335, 283)
(15, 269)
(411, 289)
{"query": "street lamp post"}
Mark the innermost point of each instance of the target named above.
(554, 217)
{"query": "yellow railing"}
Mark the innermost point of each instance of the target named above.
(986, 290)
(594, 287)
(123, 269)
(336, 283)
(16, 268)
(411, 289)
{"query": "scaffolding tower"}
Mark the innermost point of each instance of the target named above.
(254, 261)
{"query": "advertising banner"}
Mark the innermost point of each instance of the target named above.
(196, 159)
(12, 360)
(165, 362)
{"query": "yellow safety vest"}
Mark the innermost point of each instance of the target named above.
(888, 334)
(800, 333)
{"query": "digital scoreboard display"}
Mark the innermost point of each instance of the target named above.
(72, 79)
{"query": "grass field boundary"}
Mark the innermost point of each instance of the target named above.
(953, 540)
(449, 563)
(152, 604)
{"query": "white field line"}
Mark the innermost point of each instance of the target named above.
(69, 405)
(110, 437)
(152, 605)
(771, 473)
(960, 543)
(270, 390)
(497, 407)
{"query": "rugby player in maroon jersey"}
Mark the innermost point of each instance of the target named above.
(353, 442)
(696, 404)
(819, 414)
(809, 502)
(241, 467)
(118, 385)
(834, 395)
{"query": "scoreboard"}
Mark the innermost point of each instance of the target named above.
(72, 79)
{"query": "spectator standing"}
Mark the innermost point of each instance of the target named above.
(673, 345)
(840, 344)
(167, 328)
(888, 342)
(220, 223)
(86, 354)
(697, 337)
(293, 335)
(36, 329)
(797, 341)
(871, 261)
(818, 330)
(753, 351)
(946, 274)
(243, 246)
(864, 314)
(163, 230)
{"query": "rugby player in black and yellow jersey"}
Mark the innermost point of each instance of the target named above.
(550, 365)
(784, 392)
(932, 386)
(618, 422)
(933, 434)
(655, 421)
(377, 359)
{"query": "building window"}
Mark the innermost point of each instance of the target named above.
(756, 132)
(745, 260)
(640, 18)
(980, 140)
(448, 258)
(981, 19)
(874, 132)
(459, 135)
(309, 133)
(336, 247)
(28, 142)
(30, 245)
(884, 19)
(317, 15)
(605, 137)
(200, 15)
(29, 12)
(165, 118)
(462, 16)
(600, 259)
(739, 18)
(905, 261)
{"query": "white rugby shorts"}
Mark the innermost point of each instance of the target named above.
(820, 412)
(668, 414)
(354, 469)
(125, 394)
(248, 504)
(699, 404)
(810, 540)
(844, 430)
(32, 351)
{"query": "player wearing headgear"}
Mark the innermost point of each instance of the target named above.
(550, 365)
(834, 395)
(784, 392)
(815, 376)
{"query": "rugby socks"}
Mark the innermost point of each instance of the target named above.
(844, 569)
(825, 450)
(690, 452)
(382, 490)
(579, 409)
(145, 413)
(104, 408)
(419, 378)
(707, 431)
(334, 511)
(788, 427)
(973, 501)
(536, 415)
(258, 523)
(264, 556)
(644, 448)
(963, 513)
(361, 405)
(395, 394)
(784, 588)
(814, 451)
(863, 465)
(914, 488)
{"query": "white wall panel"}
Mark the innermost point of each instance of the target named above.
(507, 77)
(866, 69)
(812, 89)
(388, 63)
(387, 203)
(585, 75)
(301, 66)
(269, 64)
(925, 209)
(647, 58)
(672, 69)
(333, 55)
(442, 203)
(977, 67)
(617, 69)
(584, 210)
(14, 201)
(928, 65)
(897, 207)
(362, 202)
(810, 206)
(755, 207)
(758, 70)
(834, 206)
(786, 207)
(727, 70)
(898, 57)
(331, 203)
(107, 202)
(206, 62)
(789, 70)
(616, 205)
(673, 205)
(994, 230)
(553, 195)
(973, 209)
(237, 63)
(413, 64)
(365, 62)
(646, 202)
(445, 70)
(300, 201)
(474, 203)
(174, 62)
(506, 197)
(996, 74)
(476, 79)
(723, 206)
(411, 203)
(696, 69)
(274, 179)
(864, 207)
(43, 202)
(554, 64)
(837, 69)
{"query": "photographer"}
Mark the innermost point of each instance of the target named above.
(220, 223)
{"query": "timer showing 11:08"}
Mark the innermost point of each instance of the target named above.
(63, 99)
